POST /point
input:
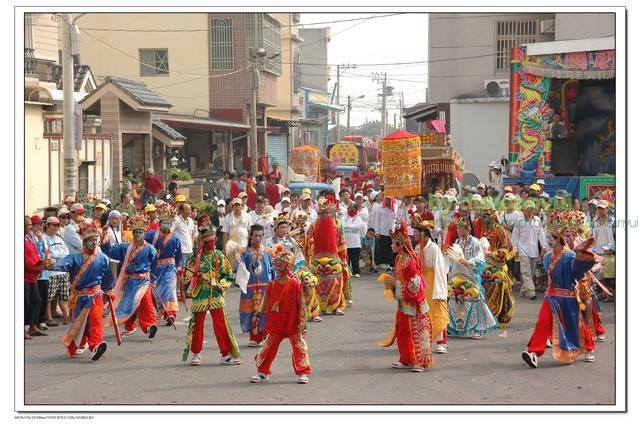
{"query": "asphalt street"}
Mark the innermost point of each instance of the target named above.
(348, 366)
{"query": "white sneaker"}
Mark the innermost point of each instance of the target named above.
(81, 349)
(252, 344)
(129, 333)
(530, 358)
(589, 357)
(196, 360)
(317, 319)
(400, 366)
(441, 348)
(476, 336)
(303, 379)
(356, 275)
(418, 369)
(259, 378)
(349, 302)
(229, 360)
(339, 312)
(601, 338)
(549, 344)
(98, 351)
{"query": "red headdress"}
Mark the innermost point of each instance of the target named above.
(326, 232)
(400, 233)
(88, 229)
(330, 204)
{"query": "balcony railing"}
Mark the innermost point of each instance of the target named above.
(44, 70)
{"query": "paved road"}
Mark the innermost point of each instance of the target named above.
(348, 367)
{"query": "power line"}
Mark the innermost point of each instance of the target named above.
(207, 30)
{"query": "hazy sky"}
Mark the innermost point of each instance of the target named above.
(390, 39)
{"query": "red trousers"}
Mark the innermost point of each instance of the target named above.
(443, 340)
(257, 337)
(544, 331)
(146, 314)
(597, 322)
(219, 329)
(299, 353)
(93, 330)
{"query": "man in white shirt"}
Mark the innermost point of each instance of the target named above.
(345, 201)
(71, 234)
(235, 226)
(508, 217)
(602, 230)
(305, 206)
(498, 179)
(186, 230)
(284, 205)
(261, 217)
(383, 226)
(527, 233)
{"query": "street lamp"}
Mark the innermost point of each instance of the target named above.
(174, 161)
(349, 112)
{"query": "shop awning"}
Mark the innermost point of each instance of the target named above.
(209, 124)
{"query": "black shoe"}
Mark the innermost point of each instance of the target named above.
(170, 321)
(152, 331)
(530, 358)
(99, 351)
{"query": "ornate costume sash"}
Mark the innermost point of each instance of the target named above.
(166, 261)
(132, 252)
(88, 260)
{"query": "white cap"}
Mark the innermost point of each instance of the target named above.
(497, 166)
(540, 181)
(221, 203)
(358, 194)
(373, 195)
(492, 164)
(509, 196)
(545, 195)
(476, 197)
(285, 199)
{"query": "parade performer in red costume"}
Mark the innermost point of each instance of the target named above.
(91, 279)
(560, 318)
(285, 311)
(413, 324)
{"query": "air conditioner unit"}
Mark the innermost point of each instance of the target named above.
(548, 26)
(496, 87)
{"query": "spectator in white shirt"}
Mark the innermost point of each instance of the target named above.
(527, 233)
(305, 206)
(186, 230)
(71, 234)
(602, 230)
(235, 226)
(345, 201)
(376, 203)
(354, 230)
(363, 212)
(261, 217)
(59, 282)
(383, 226)
(284, 205)
(114, 230)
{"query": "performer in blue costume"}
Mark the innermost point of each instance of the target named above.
(167, 244)
(258, 262)
(560, 318)
(91, 278)
(133, 287)
(468, 311)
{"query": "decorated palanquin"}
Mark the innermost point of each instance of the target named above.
(305, 160)
(401, 164)
(533, 101)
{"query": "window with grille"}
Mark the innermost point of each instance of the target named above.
(511, 34)
(154, 62)
(221, 44)
(264, 31)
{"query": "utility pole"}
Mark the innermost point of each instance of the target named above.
(348, 115)
(384, 106)
(394, 120)
(344, 67)
(70, 181)
(257, 57)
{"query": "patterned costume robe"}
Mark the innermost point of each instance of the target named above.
(469, 315)
(90, 276)
(207, 289)
(560, 318)
(260, 274)
(413, 324)
(166, 270)
(496, 279)
(133, 293)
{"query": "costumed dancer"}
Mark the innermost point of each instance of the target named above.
(285, 312)
(412, 328)
(468, 312)
(133, 290)
(434, 272)
(305, 275)
(91, 279)
(328, 261)
(257, 261)
(496, 279)
(168, 265)
(207, 276)
(574, 235)
(560, 318)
